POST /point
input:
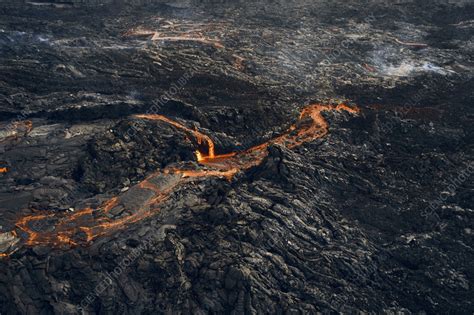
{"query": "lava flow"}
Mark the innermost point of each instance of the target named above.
(143, 200)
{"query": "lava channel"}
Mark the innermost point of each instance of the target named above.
(65, 230)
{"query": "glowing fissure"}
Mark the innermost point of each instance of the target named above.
(201, 138)
(84, 225)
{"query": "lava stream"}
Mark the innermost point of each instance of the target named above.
(143, 200)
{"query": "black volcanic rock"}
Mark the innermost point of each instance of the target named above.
(150, 145)
(374, 217)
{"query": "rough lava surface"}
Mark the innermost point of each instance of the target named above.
(167, 158)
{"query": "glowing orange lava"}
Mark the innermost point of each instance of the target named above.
(143, 200)
(201, 138)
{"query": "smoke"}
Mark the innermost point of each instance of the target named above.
(19, 37)
(407, 68)
(388, 62)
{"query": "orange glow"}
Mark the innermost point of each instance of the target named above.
(229, 174)
(201, 138)
(84, 225)
(3, 169)
(310, 126)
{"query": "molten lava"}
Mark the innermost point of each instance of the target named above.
(201, 138)
(143, 200)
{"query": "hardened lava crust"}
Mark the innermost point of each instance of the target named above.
(247, 157)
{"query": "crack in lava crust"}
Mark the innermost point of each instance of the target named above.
(143, 200)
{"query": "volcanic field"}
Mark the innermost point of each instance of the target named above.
(248, 157)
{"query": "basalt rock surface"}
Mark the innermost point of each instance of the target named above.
(376, 215)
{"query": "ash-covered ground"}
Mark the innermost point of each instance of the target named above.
(372, 212)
